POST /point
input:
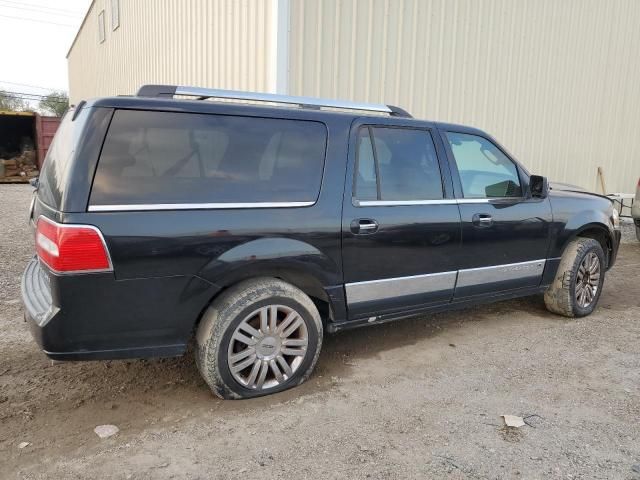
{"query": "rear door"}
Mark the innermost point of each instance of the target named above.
(401, 226)
(505, 233)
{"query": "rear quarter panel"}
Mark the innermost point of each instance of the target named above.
(210, 249)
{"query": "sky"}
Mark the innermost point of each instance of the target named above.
(35, 36)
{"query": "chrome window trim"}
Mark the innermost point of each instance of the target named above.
(444, 201)
(490, 199)
(195, 206)
(390, 203)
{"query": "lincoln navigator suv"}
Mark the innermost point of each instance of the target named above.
(253, 225)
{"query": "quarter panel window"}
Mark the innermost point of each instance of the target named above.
(166, 157)
(485, 171)
(404, 159)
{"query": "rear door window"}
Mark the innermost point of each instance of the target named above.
(184, 158)
(399, 164)
(485, 172)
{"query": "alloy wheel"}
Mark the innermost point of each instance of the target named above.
(267, 347)
(587, 280)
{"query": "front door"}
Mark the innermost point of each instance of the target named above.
(505, 232)
(401, 226)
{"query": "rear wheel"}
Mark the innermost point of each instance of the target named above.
(638, 232)
(261, 336)
(576, 289)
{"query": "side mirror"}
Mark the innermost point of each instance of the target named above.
(538, 186)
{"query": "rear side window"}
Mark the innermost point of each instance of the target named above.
(184, 158)
(55, 170)
(485, 171)
(399, 164)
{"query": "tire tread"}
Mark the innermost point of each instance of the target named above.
(559, 297)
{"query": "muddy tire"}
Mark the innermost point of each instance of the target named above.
(260, 336)
(638, 232)
(578, 283)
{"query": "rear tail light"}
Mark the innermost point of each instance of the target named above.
(71, 248)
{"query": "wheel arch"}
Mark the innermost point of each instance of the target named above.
(599, 232)
(293, 261)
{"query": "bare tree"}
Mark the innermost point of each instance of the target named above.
(12, 102)
(56, 103)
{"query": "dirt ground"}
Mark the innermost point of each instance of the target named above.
(419, 398)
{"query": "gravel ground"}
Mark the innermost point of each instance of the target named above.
(419, 398)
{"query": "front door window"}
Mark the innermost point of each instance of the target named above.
(485, 172)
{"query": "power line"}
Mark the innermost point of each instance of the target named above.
(19, 97)
(26, 85)
(26, 94)
(44, 7)
(45, 12)
(39, 21)
(23, 96)
(31, 96)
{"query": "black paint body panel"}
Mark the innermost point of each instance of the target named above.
(169, 265)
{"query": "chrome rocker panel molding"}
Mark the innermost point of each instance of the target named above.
(359, 292)
(398, 287)
(500, 273)
(454, 305)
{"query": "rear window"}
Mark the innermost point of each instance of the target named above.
(184, 158)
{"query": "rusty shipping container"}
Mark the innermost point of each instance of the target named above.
(25, 138)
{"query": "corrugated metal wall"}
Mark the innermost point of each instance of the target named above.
(221, 44)
(557, 82)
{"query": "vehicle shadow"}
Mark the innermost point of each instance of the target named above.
(137, 395)
(156, 385)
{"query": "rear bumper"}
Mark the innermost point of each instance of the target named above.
(96, 317)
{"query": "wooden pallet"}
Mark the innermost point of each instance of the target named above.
(16, 179)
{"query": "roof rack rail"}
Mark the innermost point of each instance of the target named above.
(305, 102)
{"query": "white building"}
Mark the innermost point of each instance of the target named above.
(557, 82)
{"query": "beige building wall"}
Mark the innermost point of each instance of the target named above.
(222, 43)
(557, 82)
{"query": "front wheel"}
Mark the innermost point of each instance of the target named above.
(261, 336)
(577, 286)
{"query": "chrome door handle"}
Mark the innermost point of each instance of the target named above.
(364, 226)
(482, 220)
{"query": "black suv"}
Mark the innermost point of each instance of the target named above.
(257, 228)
